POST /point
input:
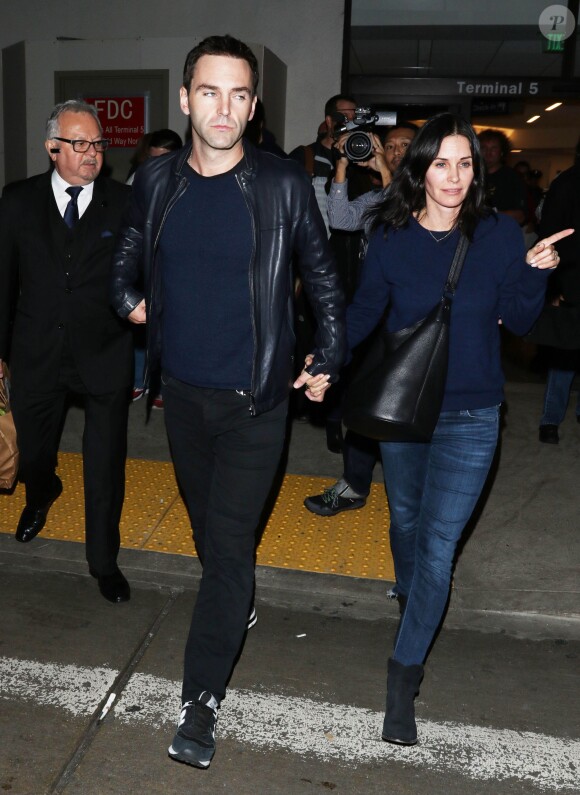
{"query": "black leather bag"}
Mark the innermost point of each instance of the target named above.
(397, 392)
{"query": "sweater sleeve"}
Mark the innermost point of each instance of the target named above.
(523, 288)
(372, 295)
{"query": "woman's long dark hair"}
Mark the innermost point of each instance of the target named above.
(406, 193)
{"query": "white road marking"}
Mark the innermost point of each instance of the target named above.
(306, 727)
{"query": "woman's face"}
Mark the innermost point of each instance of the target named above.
(449, 176)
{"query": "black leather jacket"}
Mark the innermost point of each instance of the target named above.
(285, 222)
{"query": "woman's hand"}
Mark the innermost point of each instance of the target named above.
(544, 255)
(316, 385)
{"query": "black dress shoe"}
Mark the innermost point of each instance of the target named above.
(549, 434)
(113, 587)
(32, 520)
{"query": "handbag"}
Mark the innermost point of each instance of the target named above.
(8, 442)
(397, 393)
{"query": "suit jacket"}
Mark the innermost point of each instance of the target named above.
(62, 294)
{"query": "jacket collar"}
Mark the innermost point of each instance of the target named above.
(249, 159)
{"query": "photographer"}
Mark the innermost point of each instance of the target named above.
(359, 454)
(349, 215)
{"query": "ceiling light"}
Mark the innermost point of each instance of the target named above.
(554, 106)
(516, 150)
(531, 119)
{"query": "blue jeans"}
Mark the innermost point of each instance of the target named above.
(432, 490)
(557, 395)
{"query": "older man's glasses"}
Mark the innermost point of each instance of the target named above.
(81, 146)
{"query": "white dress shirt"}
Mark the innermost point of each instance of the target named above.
(59, 187)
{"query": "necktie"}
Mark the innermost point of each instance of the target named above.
(71, 213)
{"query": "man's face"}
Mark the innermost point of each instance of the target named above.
(396, 144)
(491, 151)
(343, 108)
(76, 168)
(219, 101)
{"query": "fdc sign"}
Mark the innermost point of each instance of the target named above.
(122, 119)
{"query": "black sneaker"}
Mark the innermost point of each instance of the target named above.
(335, 499)
(194, 742)
(252, 618)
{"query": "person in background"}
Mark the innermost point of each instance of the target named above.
(258, 133)
(435, 197)
(140, 155)
(358, 453)
(505, 191)
(319, 160)
(57, 232)
(562, 207)
(159, 142)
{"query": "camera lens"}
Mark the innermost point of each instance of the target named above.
(358, 147)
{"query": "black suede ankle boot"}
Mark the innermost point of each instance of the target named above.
(403, 683)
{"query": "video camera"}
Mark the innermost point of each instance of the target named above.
(359, 144)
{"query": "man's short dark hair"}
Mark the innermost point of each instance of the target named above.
(502, 139)
(330, 107)
(220, 45)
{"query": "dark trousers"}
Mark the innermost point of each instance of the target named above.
(225, 461)
(39, 417)
(360, 456)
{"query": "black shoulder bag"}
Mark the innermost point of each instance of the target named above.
(397, 392)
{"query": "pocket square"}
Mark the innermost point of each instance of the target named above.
(107, 233)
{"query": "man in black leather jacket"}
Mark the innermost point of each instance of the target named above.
(213, 230)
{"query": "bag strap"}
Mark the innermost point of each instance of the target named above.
(456, 266)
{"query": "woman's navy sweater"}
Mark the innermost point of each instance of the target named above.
(407, 272)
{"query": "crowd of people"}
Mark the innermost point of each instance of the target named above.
(361, 245)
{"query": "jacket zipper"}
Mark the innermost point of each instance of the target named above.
(242, 184)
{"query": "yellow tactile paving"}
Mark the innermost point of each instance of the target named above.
(354, 543)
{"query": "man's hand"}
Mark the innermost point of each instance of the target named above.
(1, 369)
(378, 162)
(139, 314)
(316, 385)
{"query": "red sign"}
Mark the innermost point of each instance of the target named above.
(122, 119)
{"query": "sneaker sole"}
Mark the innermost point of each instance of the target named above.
(320, 511)
(189, 752)
(252, 620)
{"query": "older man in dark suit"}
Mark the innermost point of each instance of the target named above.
(56, 238)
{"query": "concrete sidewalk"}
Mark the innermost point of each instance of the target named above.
(497, 709)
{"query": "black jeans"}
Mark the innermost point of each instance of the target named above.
(225, 460)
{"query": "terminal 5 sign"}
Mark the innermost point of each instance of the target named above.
(374, 89)
(521, 88)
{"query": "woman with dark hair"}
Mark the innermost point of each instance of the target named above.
(436, 195)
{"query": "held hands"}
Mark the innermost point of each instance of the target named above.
(139, 314)
(316, 385)
(543, 255)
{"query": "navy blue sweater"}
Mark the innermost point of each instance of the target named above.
(407, 272)
(205, 250)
